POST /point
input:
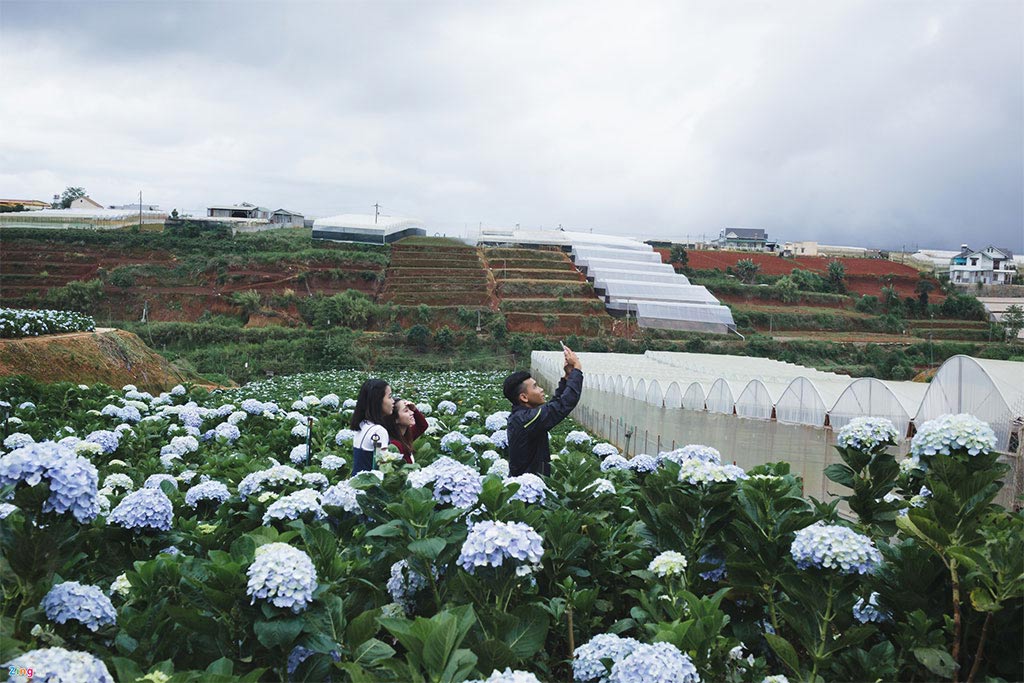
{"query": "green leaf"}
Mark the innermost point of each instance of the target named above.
(427, 548)
(392, 528)
(784, 650)
(982, 601)
(939, 662)
(840, 474)
(459, 666)
(527, 636)
(279, 632)
(372, 652)
(440, 643)
(222, 666)
(361, 629)
(126, 669)
(494, 655)
(125, 643)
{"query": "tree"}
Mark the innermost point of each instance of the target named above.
(747, 270)
(890, 299)
(69, 195)
(174, 214)
(678, 255)
(837, 277)
(418, 336)
(1013, 321)
(787, 289)
(250, 302)
(923, 287)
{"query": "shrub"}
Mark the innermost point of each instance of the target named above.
(77, 295)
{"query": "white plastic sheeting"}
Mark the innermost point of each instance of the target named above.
(623, 255)
(666, 277)
(895, 401)
(681, 316)
(657, 292)
(992, 390)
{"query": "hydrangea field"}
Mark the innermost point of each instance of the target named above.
(22, 322)
(198, 536)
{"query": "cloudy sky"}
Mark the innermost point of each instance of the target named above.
(875, 123)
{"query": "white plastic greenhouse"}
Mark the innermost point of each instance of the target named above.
(757, 410)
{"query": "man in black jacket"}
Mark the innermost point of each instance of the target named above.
(532, 418)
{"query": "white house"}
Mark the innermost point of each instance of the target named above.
(988, 266)
(287, 218)
(243, 210)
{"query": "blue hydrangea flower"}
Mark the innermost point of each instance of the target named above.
(180, 445)
(508, 676)
(604, 450)
(698, 472)
(227, 432)
(480, 440)
(330, 401)
(828, 546)
(869, 611)
(178, 390)
(531, 488)
(144, 509)
(153, 481)
(499, 467)
(6, 509)
(74, 601)
(600, 486)
(404, 584)
(490, 544)
(299, 454)
(717, 572)
(304, 503)
(332, 462)
(73, 480)
(18, 440)
(500, 438)
(283, 576)
(349, 404)
(453, 482)
(949, 433)
(344, 436)
(587, 666)
(278, 475)
(692, 452)
(643, 463)
(657, 663)
(498, 420)
(344, 496)
(300, 431)
(57, 665)
(316, 480)
(867, 433)
(578, 438)
(451, 439)
(107, 440)
(614, 462)
(208, 490)
(447, 408)
(470, 416)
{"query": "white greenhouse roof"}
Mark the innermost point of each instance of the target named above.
(364, 224)
(100, 214)
(992, 390)
(560, 238)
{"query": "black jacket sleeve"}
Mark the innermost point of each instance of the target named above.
(545, 417)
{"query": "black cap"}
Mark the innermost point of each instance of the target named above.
(512, 384)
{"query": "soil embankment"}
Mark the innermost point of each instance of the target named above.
(111, 356)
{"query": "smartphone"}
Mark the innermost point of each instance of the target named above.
(564, 347)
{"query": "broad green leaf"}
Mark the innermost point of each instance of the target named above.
(784, 650)
(427, 548)
(279, 632)
(372, 652)
(939, 662)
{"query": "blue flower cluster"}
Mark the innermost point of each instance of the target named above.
(603, 450)
(302, 503)
(299, 454)
(452, 438)
(330, 401)
(255, 407)
(282, 575)
(107, 440)
(869, 611)
(498, 420)
(74, 601)
(867, 433)
(829, 546)
(226, 431)
(153, 481)
(587, 666)
(144, 509)
(657, 663)
(600, 486)
(18, 440)
(316, 479)
(949, 433)
(344, 496)
(344, 436)
(447, 408)
(57, 665)
(643, 463)
(180, 445)
(277, 475)
(490, 544)
(207, 490)
(122, 413)
(692, 452)
(500, 438)
(404, 584)
(73, 480)
(577, 438)
(614, 462)
(454, 482)
(697, 472)
(332, 462)
(531, 488)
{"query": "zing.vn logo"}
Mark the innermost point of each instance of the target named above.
(15, 671)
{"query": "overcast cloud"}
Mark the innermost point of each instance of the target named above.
(871, 123)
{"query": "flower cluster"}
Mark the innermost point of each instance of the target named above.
(120, 586)
(153, 481)
(499, 467)
(278, 475)
(344, 436)
(498, 420)
(74, 601)
(587, 666)
(342, 495)
(950, 433)
(144, 509)
(282, 575)
(447, 408)
(600, 486)
(643, 463)
(255, 407)
(24, 322)
(122, 413)
(614, 462)
(668, 563)
(106, 439)
(73, 480)
(868, 611)
(508, 676)
(404, 584)
(835, 547)
(18, 440)
(118, 481)
(577, 438)
(531, 488)
(207, 490)
(453, 438)
(490, 544)
(57, 665)
(867, 433)
(500, 438)
(692, 452)
(603, 450)
(226, 431)
(454, 482)
(697, 472)
(299, 454)
(657, 663)
(305, 502)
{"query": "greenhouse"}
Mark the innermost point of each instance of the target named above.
(370, 229)
(759, 410)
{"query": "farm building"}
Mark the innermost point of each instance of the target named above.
(243, 210)
(80, 219)
(25, 204)
(743, 239)
(286, 218)
(989, 266)
(363, 228)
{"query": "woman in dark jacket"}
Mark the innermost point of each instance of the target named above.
(405, 424)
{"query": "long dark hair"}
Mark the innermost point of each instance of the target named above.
(369, 405)
(394, 430)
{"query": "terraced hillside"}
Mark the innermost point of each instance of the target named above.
(436, 272)
(173, 283)
(540, 290)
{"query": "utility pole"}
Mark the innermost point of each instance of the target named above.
(140, 209)
(376, 213)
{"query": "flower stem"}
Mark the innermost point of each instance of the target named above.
(980, 653)
(957, 625)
